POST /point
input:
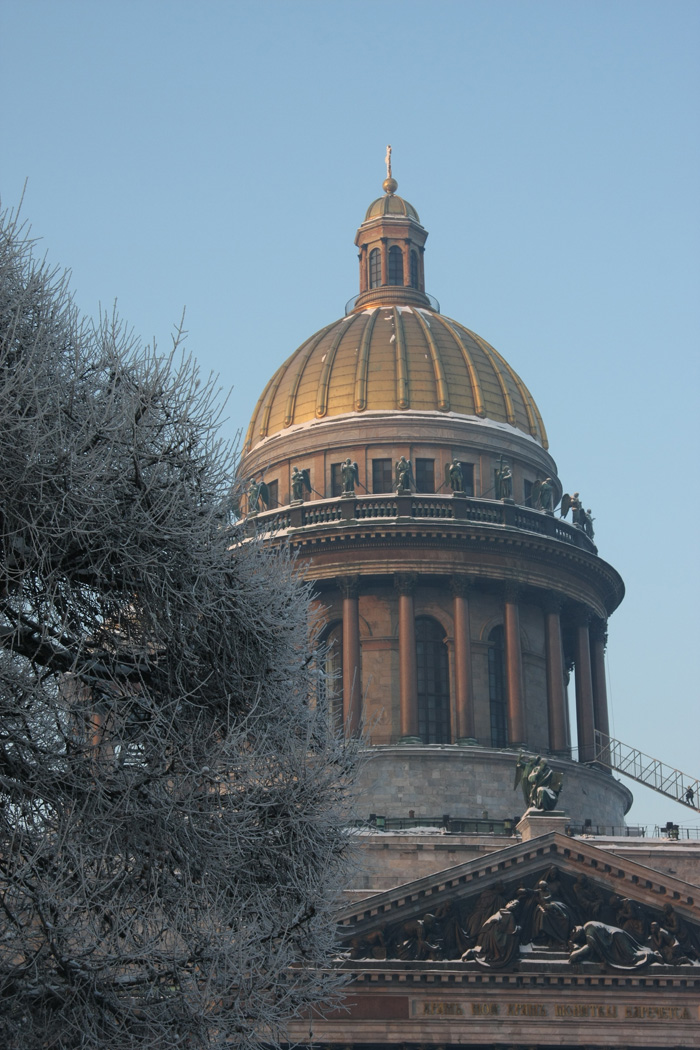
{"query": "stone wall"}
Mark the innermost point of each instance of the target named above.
(476, 783)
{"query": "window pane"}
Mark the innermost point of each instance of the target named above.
(497, 693)
(414, 269)
(433, 682)
(425, 475)
(395, 265)
(375, 268)
(273, 493)
(336, 479)
(382, 476)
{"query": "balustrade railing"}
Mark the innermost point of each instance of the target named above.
(422, 506)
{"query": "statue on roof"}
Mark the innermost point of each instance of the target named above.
(258, 493)
(350, 474)
(403, 475)
(456, 477)
(543, 495)
(301, 483)
(504, 480)
(573, 504)
(587, 519)
(539, 782)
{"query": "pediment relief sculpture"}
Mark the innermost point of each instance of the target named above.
(562, 915)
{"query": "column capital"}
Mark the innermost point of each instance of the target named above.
(461, 586)
(349, 586)
(511, 591)
(582, 616)
(599, 630)
(405, 582)
(552, 602)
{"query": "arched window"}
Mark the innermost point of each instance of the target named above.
(375, 268)
(433, 682)
(497, 689)
(395, 265)
(414, 269)
(332, 639)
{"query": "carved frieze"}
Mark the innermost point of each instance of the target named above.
(559, 915)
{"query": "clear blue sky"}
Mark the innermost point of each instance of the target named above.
(219, 156)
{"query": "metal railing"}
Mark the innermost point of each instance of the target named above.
(446, 824)
(628, 831)
(646, 770)
(434, 304)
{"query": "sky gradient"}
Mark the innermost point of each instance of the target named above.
(219, 157)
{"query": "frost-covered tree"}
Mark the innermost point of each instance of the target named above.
(171, 841)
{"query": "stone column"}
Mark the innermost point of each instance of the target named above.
(584, 689)
(464, 691)
(514, 668)
(385, 261)
(408, 679)
(421, 269)
(407, 263)
(352, 672)
(556, 696)
(599, 638)
(364, 276)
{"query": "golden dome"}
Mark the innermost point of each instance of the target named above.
(391, 204)
(393, 359)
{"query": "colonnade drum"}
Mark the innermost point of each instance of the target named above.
(465, 621)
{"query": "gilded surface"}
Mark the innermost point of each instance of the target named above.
(391, 359)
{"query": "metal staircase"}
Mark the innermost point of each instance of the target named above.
(646, 770)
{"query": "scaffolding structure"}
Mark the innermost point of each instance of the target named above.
(647, 770)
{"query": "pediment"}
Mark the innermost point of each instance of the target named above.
(446, 911)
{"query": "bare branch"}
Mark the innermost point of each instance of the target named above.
(171, 788)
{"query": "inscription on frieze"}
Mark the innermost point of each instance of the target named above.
(563, 1011)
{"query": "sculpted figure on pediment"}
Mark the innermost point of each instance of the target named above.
(688, 938)
(488, 903)
(599, 942)
(588, 900)
(454, 940)
(631, 918)
(368, 946)
(554, 908)
(667, 946)
(552, 920)
(418, 939)
(499, 939)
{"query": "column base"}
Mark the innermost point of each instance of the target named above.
(410, 740)
(468, 741)
(535, 822)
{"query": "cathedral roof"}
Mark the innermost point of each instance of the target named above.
(391, 204)
(393, 351)
(394, 358)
